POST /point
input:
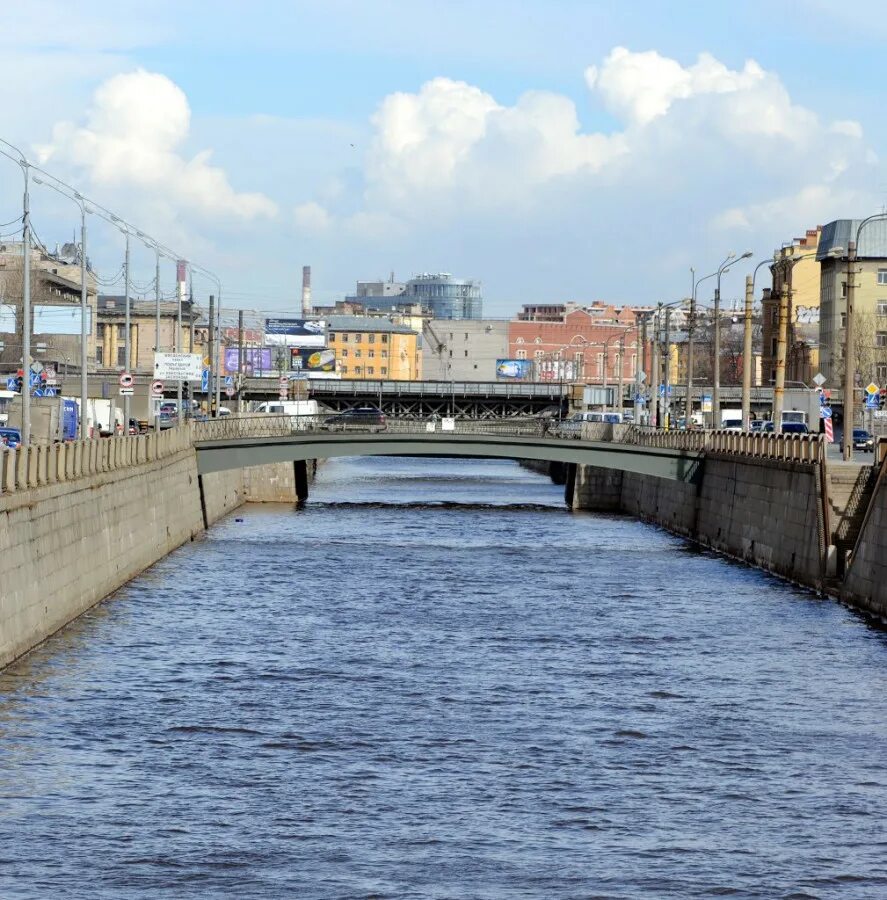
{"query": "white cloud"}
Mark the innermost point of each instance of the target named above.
(312, 218)
(132, 138)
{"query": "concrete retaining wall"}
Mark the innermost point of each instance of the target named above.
(865, 583)
(766, 512)
(67, 544)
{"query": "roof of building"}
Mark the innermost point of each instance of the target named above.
(366, 323)
(872, 239)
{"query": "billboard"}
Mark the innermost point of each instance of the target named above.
(256, 360)
(295, 332)
(555, 370)
(178, 366)
(307, 360)
(514, 369)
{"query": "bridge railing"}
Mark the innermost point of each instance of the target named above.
(44, 464)
(808, 448)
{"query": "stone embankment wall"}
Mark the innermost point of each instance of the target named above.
(865, 583)
(767, 512)
(77, 521)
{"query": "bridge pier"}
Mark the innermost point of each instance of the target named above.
(300, 477)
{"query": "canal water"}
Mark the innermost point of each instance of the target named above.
(434, 682)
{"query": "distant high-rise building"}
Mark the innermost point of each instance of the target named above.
(445, 296)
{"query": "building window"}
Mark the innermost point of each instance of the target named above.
(519, 341)
(98, 356)
(357, 354)
(538, 354)
(344, 370)
(466, 335)
(881, 372)
(882, 276)
(881, 339)
(371, 338)
(358, 338)
(843, 320)
(773, 346)
(384, 370)
(332, 336)
(521, 354)
(843, 288)
(466, 354)
(370, 370)
(537, 340)
(384, 338)
(343, 354)
(121, 332)
(371, 353)
(384, 354)
(344, 338)
(774, 315)
(882, 307)
(121, 356)
(357, 370)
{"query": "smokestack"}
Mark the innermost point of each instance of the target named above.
(306, 291)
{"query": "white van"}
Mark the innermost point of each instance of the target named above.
(289, 407)
(572, 427)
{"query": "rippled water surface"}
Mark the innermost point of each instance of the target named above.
(433, 681)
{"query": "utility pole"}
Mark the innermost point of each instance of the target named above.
(218, 381)
(849, 353)
(666, 368)
(644, 353)
(654, 372)
(240, 369)
(638, 382)
(210, 350)
(621, 388)
(127, 348)
(26, 314)
(781, 343)
(747, 351)
(716, 365)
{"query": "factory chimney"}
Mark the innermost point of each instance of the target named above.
(306, 291)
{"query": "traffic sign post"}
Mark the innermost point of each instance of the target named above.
(156, 388)
(126, 381)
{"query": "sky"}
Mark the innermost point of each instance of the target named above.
(556, 150)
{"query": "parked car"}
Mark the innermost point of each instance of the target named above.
(11, 438)
(361, 418)
(862, 440)
(757, 425)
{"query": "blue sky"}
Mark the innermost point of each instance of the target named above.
(471, 137)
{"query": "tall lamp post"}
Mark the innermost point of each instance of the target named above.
(731, 260)
(690, 326)
(61, 188)
(849, 337)
(218, 325)
(747, 341)
(22, 161)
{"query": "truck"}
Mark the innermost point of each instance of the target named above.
(53, 419)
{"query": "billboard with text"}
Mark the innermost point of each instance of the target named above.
(514, 369)
(307, 360)
(295, 332)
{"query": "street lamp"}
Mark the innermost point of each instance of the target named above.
(217, 281)
(22, 162)
(731, 260)
(60, 187)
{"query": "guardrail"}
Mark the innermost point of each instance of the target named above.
(44, 464)
(809, 448)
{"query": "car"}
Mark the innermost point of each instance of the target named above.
(862, 440)
(11, 438)
(361, 418)
(788, 427)
(757, 425)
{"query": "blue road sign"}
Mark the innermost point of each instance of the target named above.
(38, 392)
(204, 381)
(872, 401)
(11, 383)
(33, 379)
(48, 392)
(229, 381)
(825, 412)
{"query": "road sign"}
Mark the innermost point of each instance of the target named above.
(881, 413)
(204, 380)
(177, 366)
(641, 376)
(11, 383)
(127, 391)
(819, 379)
(49, 392)
(125, 380)
(33, 379)
(873, 401)
(157, 388)
(872, 388)
(38, 392)
(825, 412)
(229, 381)
(229, 390)
(706, 403)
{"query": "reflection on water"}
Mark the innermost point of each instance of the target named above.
(433, 681)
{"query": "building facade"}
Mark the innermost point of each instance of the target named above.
(55, 307)
(369, 348)
(578, 348)
(467, 350)
(870, 301)
(445, 296)
(795, 271)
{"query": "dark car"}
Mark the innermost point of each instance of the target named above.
(10, 437)
(362, 418)
(862, 440)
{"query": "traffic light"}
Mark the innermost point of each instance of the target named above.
(19, 380)
(882, 399)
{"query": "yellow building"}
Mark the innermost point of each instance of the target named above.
(796, 269)
(372, 348)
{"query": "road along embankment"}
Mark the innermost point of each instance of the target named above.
(79, 520)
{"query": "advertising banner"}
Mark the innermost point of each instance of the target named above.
(511, 369)
(307, 360)
(256, 360)
(178, 366)
(295, 332)
(555, 370)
